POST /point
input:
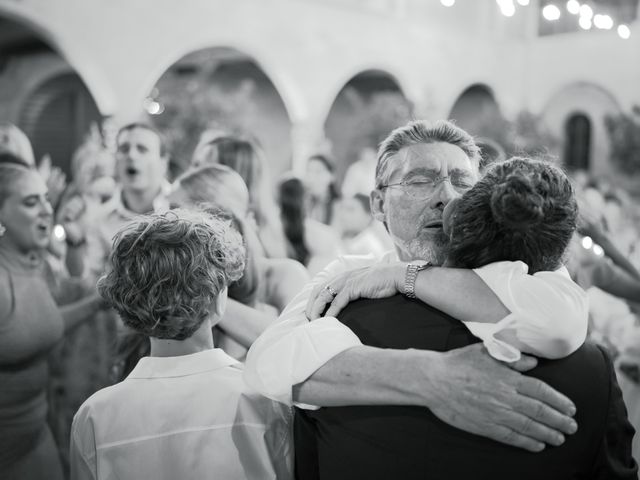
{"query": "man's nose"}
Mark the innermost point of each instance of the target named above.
(443, 194)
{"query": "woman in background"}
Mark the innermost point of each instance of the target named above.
(30, 325)
(310, 242)
(244, 156)
(322, 191)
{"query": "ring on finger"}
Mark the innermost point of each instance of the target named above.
(331, 291)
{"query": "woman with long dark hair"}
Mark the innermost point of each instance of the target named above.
(312, 243)
(322, 191)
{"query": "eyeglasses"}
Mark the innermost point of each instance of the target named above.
(425, 188)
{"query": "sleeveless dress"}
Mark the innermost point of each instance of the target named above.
(30, 325)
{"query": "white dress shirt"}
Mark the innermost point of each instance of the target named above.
(549, 316)
(187, 417)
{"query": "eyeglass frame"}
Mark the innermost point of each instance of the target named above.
(437, 181)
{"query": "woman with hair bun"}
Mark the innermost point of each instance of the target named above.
(518, 219)
(521, 210)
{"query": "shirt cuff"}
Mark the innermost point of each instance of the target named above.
(498, 349)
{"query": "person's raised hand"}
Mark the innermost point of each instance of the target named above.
(56, 183)
(70, 216)
(473, 392)
(375, 281)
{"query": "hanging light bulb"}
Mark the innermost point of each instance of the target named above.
(524, 3)
(585, 23)
(551, 13)
(448, 3)
(586, 11)
(573, 7)
(507, 7)
(624, 31)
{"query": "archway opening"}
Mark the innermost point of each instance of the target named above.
(477, 111)
(365, 110)
(220, 89)
(577, 144)
(42, 94)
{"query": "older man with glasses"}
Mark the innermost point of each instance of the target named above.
(421, 168)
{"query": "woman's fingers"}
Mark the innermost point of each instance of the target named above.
(341, 301)
(315, 293)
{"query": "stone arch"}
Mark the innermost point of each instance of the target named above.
(57, 116)
(291, 97)
(594, 103)
(41, 92)
(222, 88)
(364, 110)
(478, 112)
(84, 63)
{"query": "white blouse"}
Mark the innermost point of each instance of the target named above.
(549, 318)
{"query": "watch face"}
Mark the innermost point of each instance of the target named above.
(421, 264)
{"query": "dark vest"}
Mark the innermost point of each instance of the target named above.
(398, 442)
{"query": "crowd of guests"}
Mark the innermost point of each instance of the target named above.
(162, 291)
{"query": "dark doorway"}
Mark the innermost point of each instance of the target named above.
(577, 146)
(57, 117)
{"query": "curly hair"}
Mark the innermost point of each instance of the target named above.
(166, 271)
(522, 209)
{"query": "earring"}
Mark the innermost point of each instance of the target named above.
(2, 229)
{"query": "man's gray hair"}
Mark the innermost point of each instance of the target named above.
(419, 132)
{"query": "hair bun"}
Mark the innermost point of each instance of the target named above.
(515, 204)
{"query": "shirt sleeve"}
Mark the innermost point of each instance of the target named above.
(549, 312)
(292, 349)
(82, 450)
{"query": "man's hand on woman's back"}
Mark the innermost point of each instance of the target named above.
(470, 390)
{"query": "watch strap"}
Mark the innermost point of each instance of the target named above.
(410, 277)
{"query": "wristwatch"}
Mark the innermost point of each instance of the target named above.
(410, 277)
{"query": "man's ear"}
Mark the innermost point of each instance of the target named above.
(376, 202)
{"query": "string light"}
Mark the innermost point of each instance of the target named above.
(573, 7)
(586, 11)
(551, 13)
(507, 7)
(624, 31)
(585, 23)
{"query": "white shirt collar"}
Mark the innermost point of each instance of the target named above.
(182, 366)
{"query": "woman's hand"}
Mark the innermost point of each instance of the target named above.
(70, 216)
(376, 281)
